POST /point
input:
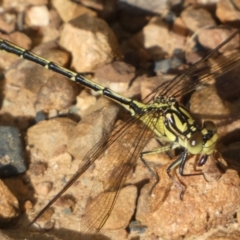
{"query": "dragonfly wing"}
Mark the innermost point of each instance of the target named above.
(123, 150)
(203, 71)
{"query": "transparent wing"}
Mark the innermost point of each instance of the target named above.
(205, 70)
(124, 147)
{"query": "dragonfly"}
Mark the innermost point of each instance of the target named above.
(159, 115)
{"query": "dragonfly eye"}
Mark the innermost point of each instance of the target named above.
(195, 143)
(210, 126)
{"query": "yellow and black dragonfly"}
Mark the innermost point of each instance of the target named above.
(159, 115)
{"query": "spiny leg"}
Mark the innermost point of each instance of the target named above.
(156, 151)
(181, 160)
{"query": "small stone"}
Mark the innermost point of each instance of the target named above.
(37, 16)
(49, 225)
(50, 34)
(38, 168)
(44, 188)
(148, 84)
(47, 138)
(12, 161)
(212, 37)
(84, 101)
(66, 201)
(7, 22)
(227, 12)
(57, 93)
(100, 48)
(153, 6)
(92, 128)
(69, 10)
(28, 205)
(117, 76)
(154, 37)
(196, 18)
(123, 209)
(9, 207)
(167, 65)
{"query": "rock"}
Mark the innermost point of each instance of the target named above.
(227, 12)
(92, 128)
(167, 65)
(100, 48)
(149, 84)
(117, 76)
(7, 22)
(45, 145)
(155, 6)
(12, 159)
(197, 18)
(204, 205)
(43, 188)
(57, 93)
(84, 101)
(153, 38)
(70, 10)
(37, 16)
(9, 207)
(212, 37)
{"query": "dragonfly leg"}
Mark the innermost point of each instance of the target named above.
(153, 172)
(170, 155)
(180, 161)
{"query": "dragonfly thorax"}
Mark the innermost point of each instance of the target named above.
(177, 124)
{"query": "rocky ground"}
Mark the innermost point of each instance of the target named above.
(48, 123)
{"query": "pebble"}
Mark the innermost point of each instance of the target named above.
(37, 16)
(197, 18)
(227, 12)
(167, 65)
(9, 207)
(212, 37)
(12, 158)
(45, 144)
(57, 93)
(92, 128)
(38, 168)
(43, 188)
(28, 205)
(69, 10)
(7, 22)
(117, 76)
(81, 34)
(154, 37)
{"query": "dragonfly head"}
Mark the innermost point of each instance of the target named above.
(204, 141)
